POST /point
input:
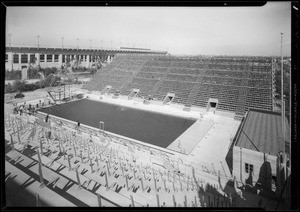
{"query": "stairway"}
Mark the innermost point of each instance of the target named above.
(193, 94)
(93, 84)
(49, 92)
(240, 109)
(160, 82)
(126, 83)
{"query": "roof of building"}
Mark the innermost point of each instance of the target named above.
(261, 131)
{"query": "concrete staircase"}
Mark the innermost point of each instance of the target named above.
(126, 83)
(241, 103)
(192, 95)
(160, 82)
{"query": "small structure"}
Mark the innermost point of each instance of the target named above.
(212, 104)
(258, 143)
(169, 98)
(106, 89)
(133, 93)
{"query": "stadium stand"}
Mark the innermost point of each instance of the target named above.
(238, 83)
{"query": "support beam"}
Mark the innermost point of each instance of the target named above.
(99, 200)
(40, 170)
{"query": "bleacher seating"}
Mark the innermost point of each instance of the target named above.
(221, 77)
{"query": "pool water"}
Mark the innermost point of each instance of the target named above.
(154, 128)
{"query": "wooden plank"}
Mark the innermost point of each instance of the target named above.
(87, 197)
(24, 161)
(49, 197)
(50, 175)
(45, 194)
(117, 198)
(21, 177)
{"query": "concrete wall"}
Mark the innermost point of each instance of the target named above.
(242, 156)
(225, 113)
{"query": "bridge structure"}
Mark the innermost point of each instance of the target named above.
(18, 58)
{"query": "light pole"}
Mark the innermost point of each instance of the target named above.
(62, 42)
(38, 39)
(77, 43)
(101, 44)
(90, 44)
(282, 97)
(110, 45)
(12, 62)
(9, 40)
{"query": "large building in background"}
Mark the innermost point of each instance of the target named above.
(18, 58)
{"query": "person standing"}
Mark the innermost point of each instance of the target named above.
(78, 125)
(47, 118)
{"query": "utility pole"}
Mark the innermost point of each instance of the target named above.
(12, 61)
(38, 39)
(9, 40)
(62, 42)
(283, 122)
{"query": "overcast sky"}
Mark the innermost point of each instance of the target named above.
(180, 30)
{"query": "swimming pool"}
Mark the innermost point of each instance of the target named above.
(154, 128)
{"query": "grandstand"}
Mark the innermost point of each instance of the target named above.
(237, 83)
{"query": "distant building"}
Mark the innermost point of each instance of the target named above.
(18, 58)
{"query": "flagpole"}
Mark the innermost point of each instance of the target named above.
(283, 122)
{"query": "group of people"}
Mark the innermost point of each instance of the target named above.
(29, 109)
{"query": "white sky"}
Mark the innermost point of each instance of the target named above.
(180, 30)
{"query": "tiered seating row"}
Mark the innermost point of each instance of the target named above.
(222, 81)
(259, 75)
(225, 73)
(259, 98)
(187, 71)
(267, 84)
(181, 77)
(153, 69)
(149, 75)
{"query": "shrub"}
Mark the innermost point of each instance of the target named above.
(33, 73)
(80, 69)
(9, 88)
(93, 71)
(13, 75)
(31, 87)
(19, 85)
